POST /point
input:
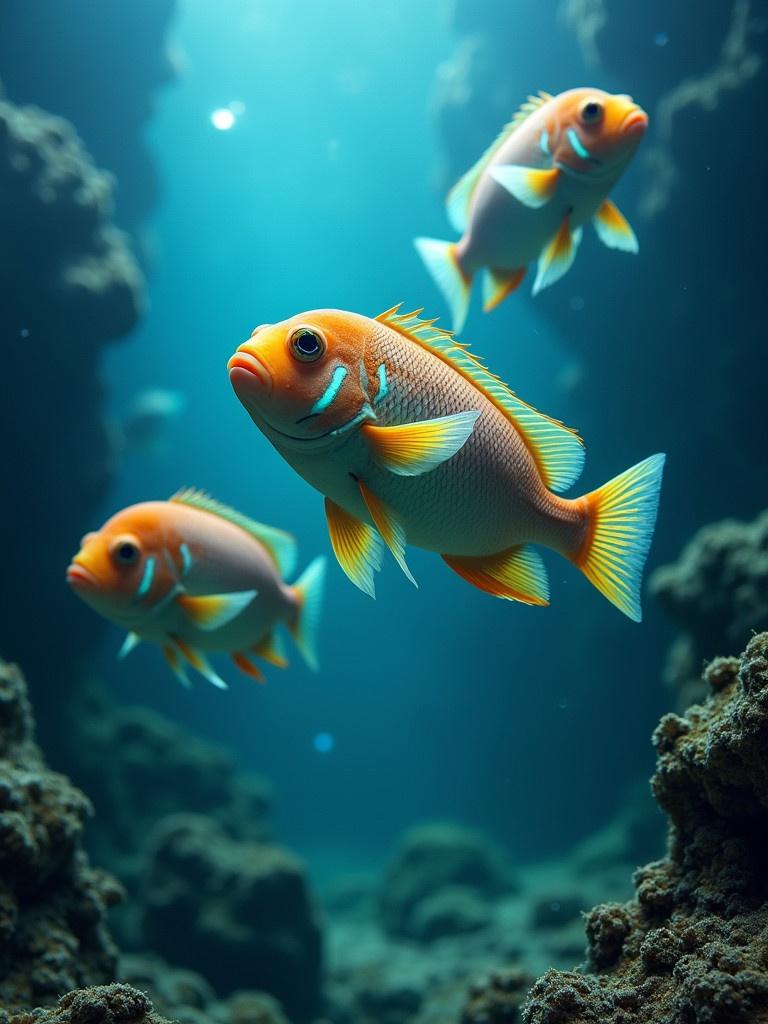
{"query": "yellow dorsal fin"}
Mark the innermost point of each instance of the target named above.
(280, 545)
(557, 450)
(460, 196)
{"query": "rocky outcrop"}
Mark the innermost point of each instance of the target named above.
(101, 1004)
(691, 945)
(717, 594)
(53, 904)
(238, 912)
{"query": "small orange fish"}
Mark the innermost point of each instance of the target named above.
(193, 576)
(549, 171)
(410, 438)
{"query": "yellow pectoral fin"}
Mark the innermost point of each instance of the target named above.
(211, 611)
(415, 448)
(531, 186)
(498, 285)
(356, 545)
(391, 531)
(613, 228)
(517, 574)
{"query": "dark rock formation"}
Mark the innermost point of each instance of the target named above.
(717, 593)
(439, 881)
(102, 1004)
(238, 912)
(53, 904)
(498, 999)
(691, 946)
(68, 284)
(98, 65)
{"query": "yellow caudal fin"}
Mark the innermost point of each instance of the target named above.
(622, 516)
(442, 262)
(306, 624)
(517, 574)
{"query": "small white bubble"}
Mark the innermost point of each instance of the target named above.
(323, 743)
(24, 332)
(661, 39)
(222, 119)
(563, 705)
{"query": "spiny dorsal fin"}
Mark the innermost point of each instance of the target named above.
(460, 196)
(280, 545)
(557, 450)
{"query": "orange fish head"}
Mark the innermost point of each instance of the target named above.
(120, 567)
(596, 131)
(304, 380)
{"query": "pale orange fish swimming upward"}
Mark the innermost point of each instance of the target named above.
(195, 576)
(549, 172)
(411, 439)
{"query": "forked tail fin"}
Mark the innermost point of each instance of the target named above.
(441, 261)
(622, 516)
(309, 592)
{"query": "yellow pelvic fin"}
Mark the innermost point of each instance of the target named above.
(557, 256)
(199, 661)
(356, 545)
(211, 611)
(557, 450)
(247, 666)
(442, 261)
(621, 516)
(613, 228)
(271, 649)
(498, 285)
(389, 527)
(531, 186)
(517, 574)
(176, 666)
(415, 448)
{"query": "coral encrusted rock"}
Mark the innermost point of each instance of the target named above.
(717, 593)
(238, 912)
(102, 1004)
(53, 904)
(692, 947)
(438, 882)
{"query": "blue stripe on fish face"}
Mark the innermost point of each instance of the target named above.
(544, 143)
(383, 391)
(578, 146)
(328, 396)
(186, 559)
(146, 579)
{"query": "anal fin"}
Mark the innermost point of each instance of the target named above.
(392, 533)
(176, 666)
(271, 649)
(356, 545)
(498, 285)
(199, 662)
(247, 666)
(557, 256)
(517, 574)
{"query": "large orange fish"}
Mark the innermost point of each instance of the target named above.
(195, 576)
(410, 438)
(549, 171)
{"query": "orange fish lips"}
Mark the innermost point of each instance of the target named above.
(79, 577)
(248, 374)
(635, 122)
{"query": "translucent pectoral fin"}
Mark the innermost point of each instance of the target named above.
(517, 574)
(613, 228)
(199, 662)
(556, 257)
(131, 641)
(392, 532)
(211, 611)
(176, 666)
(498, 285)
(272, 649)
(356, 545)
(531, 186)
(415, 448)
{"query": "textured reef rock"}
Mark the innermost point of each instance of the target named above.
(717, 593)
(122, 44)
(101, 1004)
(68, 284)
(440, 883)
(691, 947)
(239, 912)
(53, 905)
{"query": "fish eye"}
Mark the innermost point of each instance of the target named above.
(307, 345)
(125, 551)
(591, 112)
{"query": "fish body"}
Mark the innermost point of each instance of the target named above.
(196, 577)
(412, 440)
(550, 172)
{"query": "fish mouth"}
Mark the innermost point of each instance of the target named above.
(244, 366)
(635, 122)
(79, 576)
